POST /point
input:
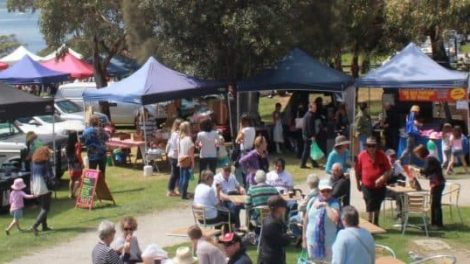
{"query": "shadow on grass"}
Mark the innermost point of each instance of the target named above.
(129, 190)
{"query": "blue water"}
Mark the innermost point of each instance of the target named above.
(23, 25)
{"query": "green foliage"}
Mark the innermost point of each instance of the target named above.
(8, 43)
(217, 38)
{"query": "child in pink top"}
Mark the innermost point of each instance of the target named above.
(17, 203)
(456, 142)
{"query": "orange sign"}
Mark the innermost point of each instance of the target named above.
(433, 95)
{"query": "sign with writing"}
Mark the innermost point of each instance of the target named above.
(88, 189)
(433, 95)
(92, 186)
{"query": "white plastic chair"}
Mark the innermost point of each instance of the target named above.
(415, 203)
(200, 219)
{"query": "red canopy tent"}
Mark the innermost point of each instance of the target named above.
(77, 68)
(3, 66)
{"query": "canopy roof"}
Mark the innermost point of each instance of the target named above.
(153, 83)
(77, 68)
(411, 68)
(15, 104)
(297, 71)
(3, 66)
(53, 54)
(27, 71)
(18, 54)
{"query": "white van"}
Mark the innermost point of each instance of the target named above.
(121, 113)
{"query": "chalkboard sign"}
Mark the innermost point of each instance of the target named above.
(87, 192)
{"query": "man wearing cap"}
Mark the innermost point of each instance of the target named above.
(340, 154)
(225, 184)
(372, 173)
(234, 249)
(412, 132)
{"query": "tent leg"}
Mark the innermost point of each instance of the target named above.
(230, 116)
(144, 156)
(54, 164)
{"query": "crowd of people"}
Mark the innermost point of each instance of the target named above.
(322, 221)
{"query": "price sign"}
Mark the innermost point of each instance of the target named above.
(88, 189)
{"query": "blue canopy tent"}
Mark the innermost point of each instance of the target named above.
(297, 71)
(154, 83)
(411, 68)
(119, 66)
(27, 71)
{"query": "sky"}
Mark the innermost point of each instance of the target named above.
(24, 26)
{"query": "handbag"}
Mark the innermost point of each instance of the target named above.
(303, 257)
(299, 122)
(315, 152)
(185, 162)
(52, 183)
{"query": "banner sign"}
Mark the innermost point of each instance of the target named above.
(433, 95)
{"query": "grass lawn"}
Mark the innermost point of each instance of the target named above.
(133, 193)
(465, 48)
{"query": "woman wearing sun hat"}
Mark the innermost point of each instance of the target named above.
(17, 197)
(339, 154)
(373, 170)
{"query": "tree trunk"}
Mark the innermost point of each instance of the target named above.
(100, 76)
(355, 64)
(365, 65)
(437, 43)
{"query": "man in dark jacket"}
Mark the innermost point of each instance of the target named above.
(341, 184)
(308, 134)
(234, 249)
(274, 238)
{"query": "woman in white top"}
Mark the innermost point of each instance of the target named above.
(185, 158)
(172, 154)
(246, 135)
(207, 141)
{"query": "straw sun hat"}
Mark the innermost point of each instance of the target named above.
(184, 256)
(341, 140)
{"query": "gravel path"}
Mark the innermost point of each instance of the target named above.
(153, 228)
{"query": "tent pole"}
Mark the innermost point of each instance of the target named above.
(238, 110)
(145, 136)
(54, 164)
(229, 115)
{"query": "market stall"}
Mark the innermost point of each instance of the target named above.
(412, 77)
(154, 83)
(300, 72)
(68, 63)
(18, 54)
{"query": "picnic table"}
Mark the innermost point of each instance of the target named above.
(373, 229)
(388, 260)
(116, 142)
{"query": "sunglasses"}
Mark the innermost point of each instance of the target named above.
(325, 191)
(128, 229)
(371, 146)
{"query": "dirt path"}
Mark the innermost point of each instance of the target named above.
(152, 229)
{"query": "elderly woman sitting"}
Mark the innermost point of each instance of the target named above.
(204, 196)
(102, 253)
(341, 184)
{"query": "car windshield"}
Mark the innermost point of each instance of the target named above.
(69, 107)
(8, 129)
(48, 118)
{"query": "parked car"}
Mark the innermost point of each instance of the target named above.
(13, 142)
(43, 125)
(69, 110)
(121, 113)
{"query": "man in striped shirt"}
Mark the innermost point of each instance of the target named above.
(259, 194)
